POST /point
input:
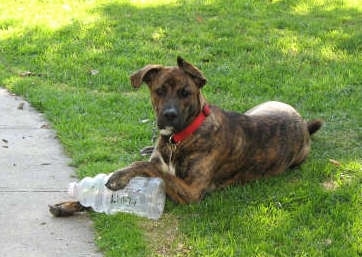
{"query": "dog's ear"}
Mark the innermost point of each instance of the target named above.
(192, 71)
(146, 74)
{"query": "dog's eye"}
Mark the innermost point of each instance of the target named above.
(161, 91)
(184, 93)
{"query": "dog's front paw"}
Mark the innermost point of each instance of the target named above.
(65, 209)
(118, 180)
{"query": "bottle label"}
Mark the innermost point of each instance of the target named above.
(123, 200)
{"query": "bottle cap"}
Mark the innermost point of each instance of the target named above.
(72, 188)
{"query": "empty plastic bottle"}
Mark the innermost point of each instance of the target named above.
(142, 196)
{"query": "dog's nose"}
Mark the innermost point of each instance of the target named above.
(170, 114)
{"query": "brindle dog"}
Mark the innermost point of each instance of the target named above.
(202, 148)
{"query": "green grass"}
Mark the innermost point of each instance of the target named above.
(307, 53)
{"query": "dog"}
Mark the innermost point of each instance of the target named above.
(201, 147)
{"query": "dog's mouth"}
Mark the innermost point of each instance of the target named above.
(167, 131)
(169, 127)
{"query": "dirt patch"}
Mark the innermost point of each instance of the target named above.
(330, 185)
(164, 237)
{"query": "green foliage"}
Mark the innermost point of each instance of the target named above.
(304, 52)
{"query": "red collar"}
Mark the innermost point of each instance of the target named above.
(190, 129)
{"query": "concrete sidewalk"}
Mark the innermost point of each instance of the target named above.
(34, 172)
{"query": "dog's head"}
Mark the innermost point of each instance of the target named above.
(175, 93)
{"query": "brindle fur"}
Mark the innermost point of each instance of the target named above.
(229, 148)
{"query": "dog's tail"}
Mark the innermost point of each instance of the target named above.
(314, 126)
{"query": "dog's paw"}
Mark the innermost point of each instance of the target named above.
(118, 180)
(148, 150)
(66, 209)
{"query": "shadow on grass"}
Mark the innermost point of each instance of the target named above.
(305, 55)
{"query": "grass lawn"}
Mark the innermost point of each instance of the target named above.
(72, 60)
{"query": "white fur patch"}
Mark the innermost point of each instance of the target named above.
(164, 167)
(168, 131)
(171, 169)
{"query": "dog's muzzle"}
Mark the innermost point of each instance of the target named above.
(169, 121)
(170, 114)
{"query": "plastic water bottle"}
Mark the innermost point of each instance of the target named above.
(143, 196)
